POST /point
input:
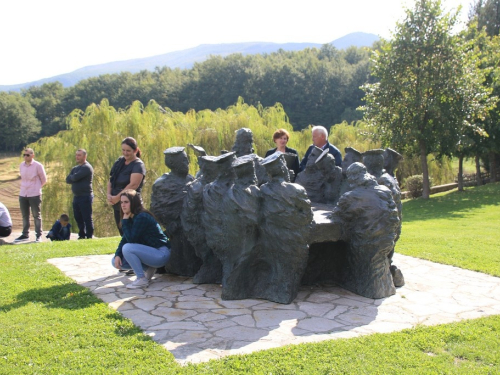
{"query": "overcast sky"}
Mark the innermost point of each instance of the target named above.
(44, 38)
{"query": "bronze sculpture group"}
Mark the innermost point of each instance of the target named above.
(241, 221)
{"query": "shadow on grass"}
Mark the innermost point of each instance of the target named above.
(455, 205)
(68, 296)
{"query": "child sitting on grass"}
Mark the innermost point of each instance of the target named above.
(61, 230)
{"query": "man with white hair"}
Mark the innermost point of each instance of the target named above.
(320, 139)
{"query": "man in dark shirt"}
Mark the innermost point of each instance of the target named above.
(80, 179)
(320, 139)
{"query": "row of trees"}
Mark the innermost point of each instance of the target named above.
(100, 128)
(437, 91)
(315, 86)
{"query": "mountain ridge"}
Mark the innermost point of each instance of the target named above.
(185, 59)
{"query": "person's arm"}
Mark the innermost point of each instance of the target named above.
(133, 230)
(79, 174)
(68, 177)
(67, 234)
(338, 158)
(56, 230)
(135, 181)
(109, 196)
(119, 253)
(42, 175)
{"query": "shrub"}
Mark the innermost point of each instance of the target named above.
(415, 185)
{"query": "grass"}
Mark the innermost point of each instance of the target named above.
(460, 229)
(52, 325)
(9, 167)
(469, 166)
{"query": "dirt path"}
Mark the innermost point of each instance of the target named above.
(9, 193)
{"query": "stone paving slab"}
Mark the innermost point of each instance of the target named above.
(196, 325)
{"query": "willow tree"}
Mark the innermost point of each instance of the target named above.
(430, 88)
(101, 128)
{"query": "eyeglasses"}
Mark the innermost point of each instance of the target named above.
(26, 154)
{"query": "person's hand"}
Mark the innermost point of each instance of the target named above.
(118, 262)
(114, 199)
(108, 198)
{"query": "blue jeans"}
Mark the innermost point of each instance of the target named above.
(141, 257)
(82, 209)
(35, 204)
(64, 233)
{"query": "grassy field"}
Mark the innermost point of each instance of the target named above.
(469, 166)
(461, 229)
(52, 325)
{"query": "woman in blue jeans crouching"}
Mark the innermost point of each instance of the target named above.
(144, 245)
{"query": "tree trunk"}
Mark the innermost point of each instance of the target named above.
(479, 180)
(460, 173)
(425, 171)
(493, 167)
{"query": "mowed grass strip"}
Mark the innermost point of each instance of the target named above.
(52, 325)
(49, 324)
(456, 228)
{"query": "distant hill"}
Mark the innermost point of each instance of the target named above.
(186, 58)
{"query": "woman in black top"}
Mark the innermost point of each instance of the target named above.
(281, 137)
(128, 172)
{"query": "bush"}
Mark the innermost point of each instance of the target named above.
(415, 185)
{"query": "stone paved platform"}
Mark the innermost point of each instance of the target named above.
(196, 325)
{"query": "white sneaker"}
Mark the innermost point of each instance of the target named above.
(138, 283)
(150, 273)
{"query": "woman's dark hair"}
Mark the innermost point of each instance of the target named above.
(132, 143)
(280, 133)
(136, 206)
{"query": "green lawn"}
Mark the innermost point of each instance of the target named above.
(461, 229)
(50, 325)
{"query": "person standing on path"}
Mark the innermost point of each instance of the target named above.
(33, 178)
(80, 179)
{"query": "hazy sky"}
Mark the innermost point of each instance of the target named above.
(44, 38)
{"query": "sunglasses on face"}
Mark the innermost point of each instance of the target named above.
(26, 154)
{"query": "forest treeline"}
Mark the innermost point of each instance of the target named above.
(314, 86)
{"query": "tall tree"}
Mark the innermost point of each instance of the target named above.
(429, 88)
(47, 101)
(18, 124)
(485, 15)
